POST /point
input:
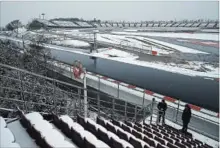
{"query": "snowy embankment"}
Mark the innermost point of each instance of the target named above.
(72, 43)
(123, 40)
(177, 47)
(114, 53)
(200, 36)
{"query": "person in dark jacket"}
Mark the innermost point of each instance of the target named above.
(162, 107)
(186, 118)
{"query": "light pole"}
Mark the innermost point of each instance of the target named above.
(95, 37)
(43, 15)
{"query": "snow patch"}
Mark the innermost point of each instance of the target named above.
(74, 43)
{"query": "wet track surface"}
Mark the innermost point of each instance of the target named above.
(195, 90)
(201, 45)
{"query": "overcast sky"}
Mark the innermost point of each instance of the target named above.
(128, 11)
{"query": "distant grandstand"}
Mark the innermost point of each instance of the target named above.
(69, 23)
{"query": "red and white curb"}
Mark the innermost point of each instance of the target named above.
(167, 98)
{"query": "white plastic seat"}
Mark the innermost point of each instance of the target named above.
(2, 123)
(14, 145)
(6, 137)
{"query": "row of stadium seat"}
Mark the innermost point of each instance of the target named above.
(43, 132)
(7, 138)
(103, 133)
(79, 135)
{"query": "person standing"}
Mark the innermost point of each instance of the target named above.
(186, 118)
(162, 107)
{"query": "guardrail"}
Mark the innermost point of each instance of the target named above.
(33, 92)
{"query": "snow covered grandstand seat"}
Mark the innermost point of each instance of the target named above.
(180, 145)
(160, 140)
(147, 129)
(136, 143)
(128, 123)
(165, 134)
(111, 128)
(81, 120)
(136, 134)
(157, 134)
(174, 138)
(168, 139)
(116, 122)
(116, 144)
(122, 135)
(91, 127)
(103, 136)
(126, 128)
(149, 141)
(138, 124)
(77, 137)
(171, 145)
(148, 134)
(160, 146)
(137, 128)
(100, 121)
(88, 144)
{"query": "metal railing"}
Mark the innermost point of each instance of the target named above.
(33, 92)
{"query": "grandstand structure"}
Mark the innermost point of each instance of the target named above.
(39, 23)
(58, 120)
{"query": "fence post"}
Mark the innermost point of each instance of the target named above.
(118, 91)
(135, 113)
(98, 101)
(152, 109)
(54, 97)
(125, 111)
(80, 104)
(143, 107)
(22, 90)
(71, 75)
(113, 107)
(177, 111)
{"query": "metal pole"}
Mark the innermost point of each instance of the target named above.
(98, 97)
(143, 106)
(79, 96)
(152, 108)
(71, 72)
(177, 110)
(125, 110)
(135, 113)
(118, 91)
(54, 97)
(85, 96)
(22, 90)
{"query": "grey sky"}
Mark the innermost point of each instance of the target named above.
(128, 11)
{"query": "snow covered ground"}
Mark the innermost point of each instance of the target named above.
(72, 43)
(114, 53)
(123, 40)
(201, 36)
(177, 47)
